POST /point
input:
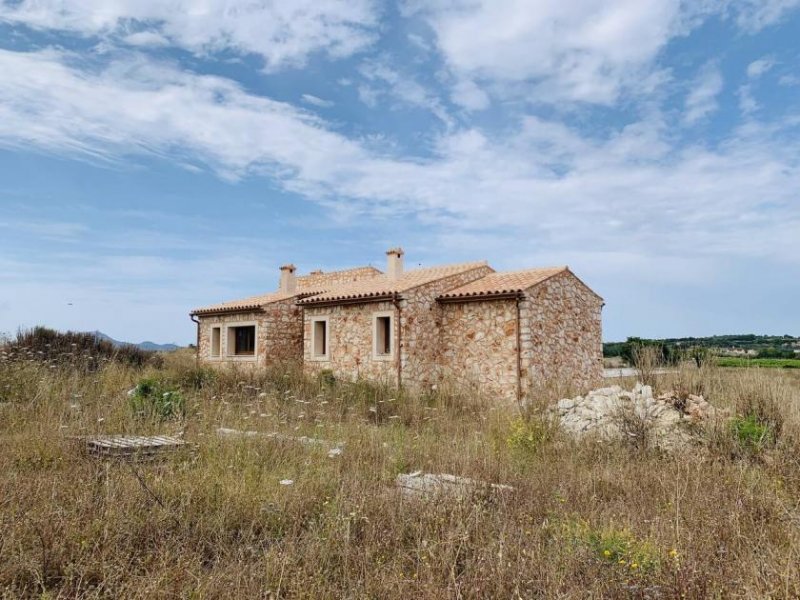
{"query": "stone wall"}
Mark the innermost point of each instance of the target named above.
(479, 346)
(421, 322)
(284, 332)
(351, 335)
(561, 334)
(279, 334)
(350, 341)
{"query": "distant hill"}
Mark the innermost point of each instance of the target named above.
(142, 345)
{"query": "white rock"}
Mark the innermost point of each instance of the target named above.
(419, 484)
(601, 413)
(565, 404)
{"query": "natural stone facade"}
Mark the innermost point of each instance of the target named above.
(561, 335)
(350, 352)
(421, 328)
(479, 344)
(504, 333)
(279, 334)
(416, 327)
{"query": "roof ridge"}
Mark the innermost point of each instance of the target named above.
(504, 282)
(347, 270)
(383, 285)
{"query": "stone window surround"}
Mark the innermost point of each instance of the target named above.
(228, 355)
(218, 354)
(392, 343)
(320, 357)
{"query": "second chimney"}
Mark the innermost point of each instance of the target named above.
(394, 263)
(288, 280)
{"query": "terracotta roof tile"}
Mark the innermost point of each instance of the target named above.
(508, 282)
(251, 303)
(384, 285)
(313, 283)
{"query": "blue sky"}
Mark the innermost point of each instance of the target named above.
(158, 156)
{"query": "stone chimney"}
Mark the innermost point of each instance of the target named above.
(394, 263)
(288, 279)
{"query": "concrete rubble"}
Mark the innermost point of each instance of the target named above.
(419, 484)
(611, 413)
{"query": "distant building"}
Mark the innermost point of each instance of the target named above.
(504, 332)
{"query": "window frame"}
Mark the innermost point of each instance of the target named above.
(392, 335)
(230, 349)
(313, 347)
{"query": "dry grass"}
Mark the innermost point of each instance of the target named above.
(585, 521)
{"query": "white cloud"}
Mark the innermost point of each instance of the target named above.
(146, 38)
(386, 81)
(283, 33)
(467, 94)
(585, 51)
(593, 51)
(755, 15)
(45, 230)
(747, 103)
(138, 106)
(552, 185)
(702, 98)
(758, 67)
(316, 101)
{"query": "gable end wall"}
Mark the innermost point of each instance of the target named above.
(561, 334)
(479, 346)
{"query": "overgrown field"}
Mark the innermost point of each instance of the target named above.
(585, 519)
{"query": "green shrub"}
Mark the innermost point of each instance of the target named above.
(196, 378)
(622, 548)
(614, 546)
(326, 378)
(85, 352)
(152, 398)
(751, 432)
(526, 436)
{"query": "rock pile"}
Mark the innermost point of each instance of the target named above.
(612, 413)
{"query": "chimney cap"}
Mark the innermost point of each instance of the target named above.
(289, 267)
(398, 251)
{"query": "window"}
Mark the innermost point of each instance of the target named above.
(215, 341)
(382, 336)
(242, 340)
(319, 338)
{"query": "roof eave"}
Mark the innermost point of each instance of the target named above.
(352, 300)
(226, 311)
(483, 296)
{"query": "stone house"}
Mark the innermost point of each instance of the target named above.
(502, 332)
